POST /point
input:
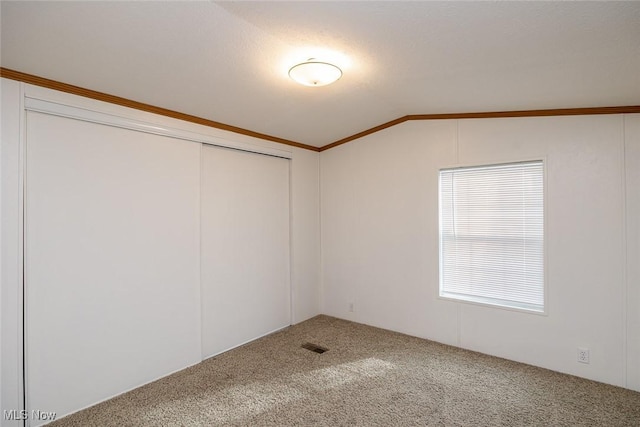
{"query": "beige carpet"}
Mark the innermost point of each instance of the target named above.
(369, 377)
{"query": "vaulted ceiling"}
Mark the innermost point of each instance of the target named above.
(228, 61)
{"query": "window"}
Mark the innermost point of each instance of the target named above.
(492, 235)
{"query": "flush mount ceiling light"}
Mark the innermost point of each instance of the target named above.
(315, 73)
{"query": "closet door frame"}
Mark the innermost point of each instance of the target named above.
(48, 101)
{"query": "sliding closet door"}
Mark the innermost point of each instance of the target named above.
(245, 247)
(112, 260)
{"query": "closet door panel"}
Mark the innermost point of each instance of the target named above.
(112, 260)
(245, 247)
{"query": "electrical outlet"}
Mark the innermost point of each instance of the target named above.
(351, 309)
(583, 355)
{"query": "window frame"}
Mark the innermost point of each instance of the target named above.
(486, 302)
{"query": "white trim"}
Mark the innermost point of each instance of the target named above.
(625, 259)
(292, 316)
(12, 389)
(22, 220)
(199, 260)
(479, 302)
(466, 165)
(84, 114)
(545, 235)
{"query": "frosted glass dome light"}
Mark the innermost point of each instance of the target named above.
(315, 73)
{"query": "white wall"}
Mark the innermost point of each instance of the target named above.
(377, 216)
(380, 238)
(0, 252)
(632, 158)
(305, 228)
(11, 265)
(305, 234)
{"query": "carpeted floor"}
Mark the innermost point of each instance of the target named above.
(368, 377)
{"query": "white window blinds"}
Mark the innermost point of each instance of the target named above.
(492, 234)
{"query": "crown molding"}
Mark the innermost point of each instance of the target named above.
(76, 90)
(100, 96)
(631, 109)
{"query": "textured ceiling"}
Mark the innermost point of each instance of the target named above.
(228, 61)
